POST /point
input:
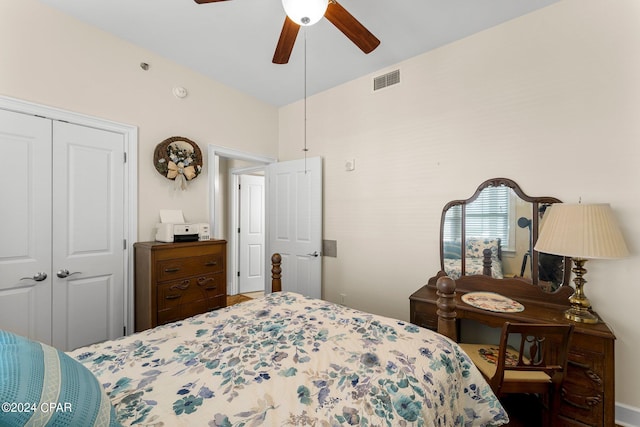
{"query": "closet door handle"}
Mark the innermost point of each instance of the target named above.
(38, 277)
(65, 273)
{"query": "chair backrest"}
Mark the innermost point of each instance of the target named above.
(542, 347)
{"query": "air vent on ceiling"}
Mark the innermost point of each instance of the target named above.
(385, 80)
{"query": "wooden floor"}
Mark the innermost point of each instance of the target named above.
(235, 299)
(259, 294)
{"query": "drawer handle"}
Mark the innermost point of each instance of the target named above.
(182, 285)
(172, 296)
(172, 270)
(588, 372)
(589, 401)
(204, 280)
(211, 263)
(579, 365)
(594, 377)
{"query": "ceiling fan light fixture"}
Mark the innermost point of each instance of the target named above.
(305, 12)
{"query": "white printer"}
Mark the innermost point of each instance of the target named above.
(172, 228)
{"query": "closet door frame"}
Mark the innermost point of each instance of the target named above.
(130, 134)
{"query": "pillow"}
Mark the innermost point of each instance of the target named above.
(452, 249)
(43, 386)
(477, 245)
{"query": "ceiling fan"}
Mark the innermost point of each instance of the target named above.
(337, 15)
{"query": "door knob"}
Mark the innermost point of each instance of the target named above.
(38, 277)
(314, 254)
(65, 273)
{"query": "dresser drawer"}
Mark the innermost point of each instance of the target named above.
(567, 422)
(184, 298)
(583, 390)
(586, 369)
(181, 292)
(425, 321)
(424, 315)
(182, 311)
(582, 404)
(183, 267)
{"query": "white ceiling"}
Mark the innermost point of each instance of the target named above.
(233, 41)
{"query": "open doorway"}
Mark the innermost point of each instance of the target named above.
(248, 223)
(226, 166)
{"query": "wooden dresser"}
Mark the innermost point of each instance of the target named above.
(588, 390)
(174, 281)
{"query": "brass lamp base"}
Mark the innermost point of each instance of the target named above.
(581, 315)
(580, 304)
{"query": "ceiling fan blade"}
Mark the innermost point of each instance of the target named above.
(207, 1)
(286, 41)
(351, 27)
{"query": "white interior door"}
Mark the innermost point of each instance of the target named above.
(88, 211)
(64, 188)
(294, 201)
(252, 234)
(25, 225)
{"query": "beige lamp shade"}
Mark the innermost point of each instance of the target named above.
(586, 231)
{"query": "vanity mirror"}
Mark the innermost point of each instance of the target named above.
(493, 233)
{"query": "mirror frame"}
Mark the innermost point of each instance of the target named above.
(536, 202)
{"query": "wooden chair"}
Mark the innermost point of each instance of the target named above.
(537, 366)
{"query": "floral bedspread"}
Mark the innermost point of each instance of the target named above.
(290, 360)
(473, 266)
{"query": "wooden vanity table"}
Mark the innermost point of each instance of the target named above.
(469, 236)
(588, 390)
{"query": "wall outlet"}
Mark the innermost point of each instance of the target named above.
(343, 299)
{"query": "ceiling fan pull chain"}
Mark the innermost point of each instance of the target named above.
(305, 149)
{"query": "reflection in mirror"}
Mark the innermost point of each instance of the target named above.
(452, 242)
(492, 234)
(551, 268)
(489, 232)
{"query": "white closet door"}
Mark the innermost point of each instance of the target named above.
(25, 225)
(63, 211)
(88, 216)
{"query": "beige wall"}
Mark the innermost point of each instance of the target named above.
(52, 59)
(550, 100)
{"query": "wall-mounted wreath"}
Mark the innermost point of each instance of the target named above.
(179, 159)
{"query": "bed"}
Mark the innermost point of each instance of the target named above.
(482, 257)
(286, 359)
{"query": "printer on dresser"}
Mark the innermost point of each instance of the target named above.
(174, 281)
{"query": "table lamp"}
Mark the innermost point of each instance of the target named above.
(582, 232)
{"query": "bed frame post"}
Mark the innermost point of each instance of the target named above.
(276, 278)
(446, 302)
(486, 263)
